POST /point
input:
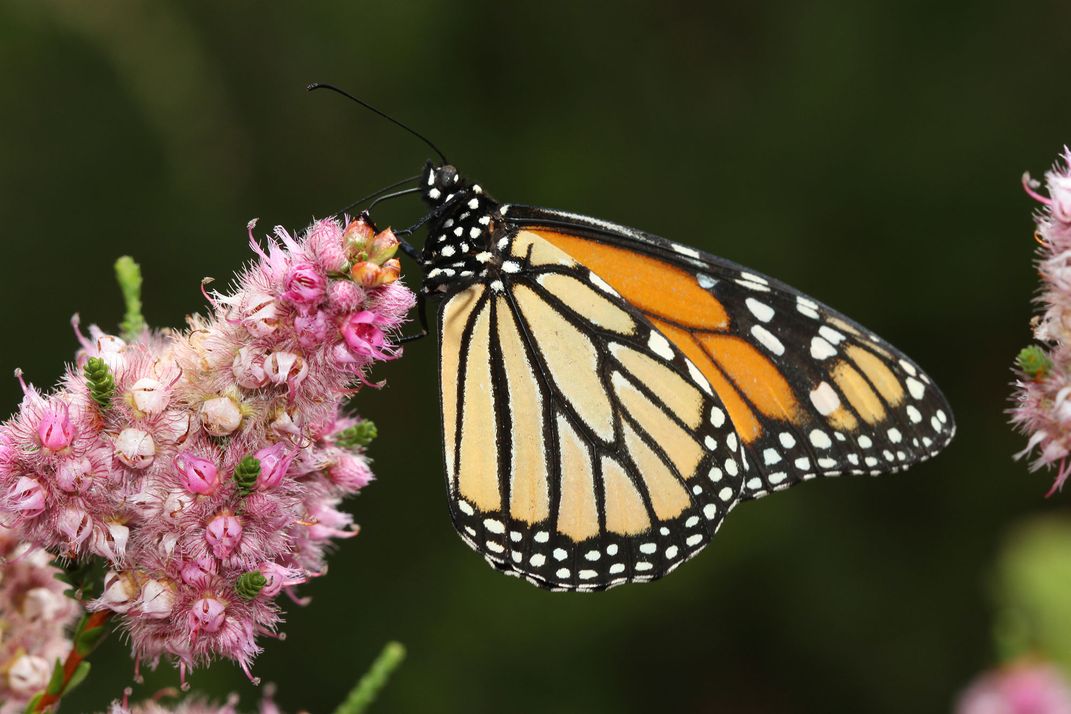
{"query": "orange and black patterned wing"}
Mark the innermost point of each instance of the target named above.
(809, 391)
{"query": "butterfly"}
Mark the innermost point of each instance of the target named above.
(609, 396)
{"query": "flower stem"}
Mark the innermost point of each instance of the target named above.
(87, 636)
(128, 274)
(374, 680)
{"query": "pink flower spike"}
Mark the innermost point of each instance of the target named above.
(274, 463)
(55, 430)
(198, 475)
(223, 533)
(207, 615)
(198, 572)
(26, 497)
(279, 577)
(305, 285)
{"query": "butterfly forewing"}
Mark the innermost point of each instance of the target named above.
(583, 449)
(810, 392)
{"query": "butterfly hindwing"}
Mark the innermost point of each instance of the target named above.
(583, 449)
(810, 392)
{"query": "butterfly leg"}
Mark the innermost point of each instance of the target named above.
(422, 315)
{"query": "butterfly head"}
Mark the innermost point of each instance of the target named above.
(441, 183)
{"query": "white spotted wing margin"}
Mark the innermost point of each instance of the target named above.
(582, 451)
(864, 407)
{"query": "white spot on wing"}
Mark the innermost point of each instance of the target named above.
(767, 339)
(760, 310)
(821, 349)
(825, 399)
(660, 346)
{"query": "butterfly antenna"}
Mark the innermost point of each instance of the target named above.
(389, 196)
(388, 117)
(375, 194)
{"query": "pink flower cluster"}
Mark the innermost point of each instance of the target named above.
(1042, 407)
(207, 465)
(193, 705)
(34, 618)
(1022, 688)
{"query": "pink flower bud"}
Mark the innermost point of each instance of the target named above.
(223, 533)
(55, 430)
(358, 236)
(208, 615)
(135, 448)
(283, 424)
(74, 475)
(149, 396)
(174, 427)
(304, 285)
(279, 577)
(311, 329)
(120, 591)
(350, 473)
(274, 462)
(325, 242)
(197, 475)
(221, 416)
(198, 573)
(363, 336)
(157, 599)
(26, 498)
(259, 314)
(285, 368)
(345, 295)
(28, 674)
(110, 349)
(76, 524)
(248, 369)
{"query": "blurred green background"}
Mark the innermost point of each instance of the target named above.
(868, 153)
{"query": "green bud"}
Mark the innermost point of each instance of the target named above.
(246, 474)
(360, 434)
(100, 382)
(1034, 362)
(250, 584)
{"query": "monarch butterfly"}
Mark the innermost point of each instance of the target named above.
(608, 396)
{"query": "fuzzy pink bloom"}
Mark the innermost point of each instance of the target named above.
(1027, 688)
(363, 335)
(153, 483)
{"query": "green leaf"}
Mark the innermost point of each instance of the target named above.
(358, 435)
(374, 680)
(80, 673)
(86, 640)
(31, 707)
(55, 682)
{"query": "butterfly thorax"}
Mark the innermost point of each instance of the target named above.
(465, 235)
